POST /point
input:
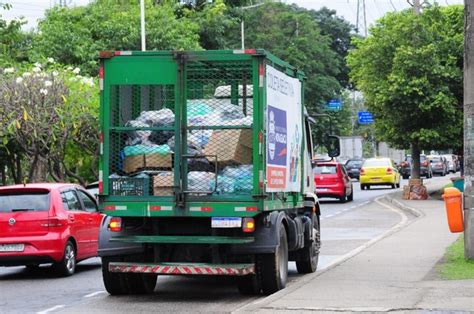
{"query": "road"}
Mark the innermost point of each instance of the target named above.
(345, 228)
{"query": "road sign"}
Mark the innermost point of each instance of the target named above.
(334, 104)
(365, 117)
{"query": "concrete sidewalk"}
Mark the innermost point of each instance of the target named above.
(394, 274)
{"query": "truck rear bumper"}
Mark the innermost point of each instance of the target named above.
(198, 269)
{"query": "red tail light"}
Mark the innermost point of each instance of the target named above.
(362, 171)
(389, 171)
(52, 222)
(425, 163)
(115, 224)
(248, 225)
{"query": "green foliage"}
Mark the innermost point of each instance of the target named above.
(410, 71)
(455, 266)
(13, 41)
(75, 36)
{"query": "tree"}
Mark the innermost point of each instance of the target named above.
(13, 41)
(410, 71)
(49, 116)
(75, 36)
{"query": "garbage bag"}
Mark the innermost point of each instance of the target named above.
(200, 181)
(198, 164)
(146, 149)
(231, 113)
(225, 185)
(198, 109)
(139, 136)
(156, 118)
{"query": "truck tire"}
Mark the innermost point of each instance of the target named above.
(273, 268)
(309, 258)
(114, 283)
(249, 285)
(141, 283)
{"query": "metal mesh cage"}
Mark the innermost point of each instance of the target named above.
(141, 138)
(219, 118)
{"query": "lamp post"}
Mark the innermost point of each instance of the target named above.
(242, 26)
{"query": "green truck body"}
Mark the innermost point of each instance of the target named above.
(205, 169)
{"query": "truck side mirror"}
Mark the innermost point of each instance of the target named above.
(333, 146)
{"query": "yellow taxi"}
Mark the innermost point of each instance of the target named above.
(379, 171)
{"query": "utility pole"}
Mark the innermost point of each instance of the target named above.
(468, 129)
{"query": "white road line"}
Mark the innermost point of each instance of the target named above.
(54, 308)
(93, 294)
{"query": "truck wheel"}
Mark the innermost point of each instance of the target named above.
(141, 283)
(249, 285)
(273, 268)
(308, 262)
(114, 283)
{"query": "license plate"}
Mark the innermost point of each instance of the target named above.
(12, 247)
(226, 222)
(376, 179)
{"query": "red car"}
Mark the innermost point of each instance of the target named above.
(332, 180)
(48, 223)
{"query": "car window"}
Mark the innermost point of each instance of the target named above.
(70, 200)
(376, 163)
(324, 169)
(343, 169)
(89, 204)
(356, 163)
(25, 201)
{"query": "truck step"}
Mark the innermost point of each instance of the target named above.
(184, 239)
(183, 268)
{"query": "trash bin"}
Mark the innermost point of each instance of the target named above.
(453, 203)
(458, 183)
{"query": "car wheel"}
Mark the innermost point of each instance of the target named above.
(367, 187)
(350, 198)
(343, 199)
(67, 266)
(362, 187)
(405, 177)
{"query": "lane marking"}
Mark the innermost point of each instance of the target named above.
(345, 209)
(54, 308)
(262, 303)
(93, 294)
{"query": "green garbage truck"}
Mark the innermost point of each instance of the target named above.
(205, 169)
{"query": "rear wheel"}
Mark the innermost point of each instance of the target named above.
(343, 199)
(362, 187)
(249, 285)
(67, 266)
(309, 257)
(114, 282)
(273, 268)
(141, 283)
(350, 198)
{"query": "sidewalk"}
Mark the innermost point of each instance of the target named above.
(394, 274)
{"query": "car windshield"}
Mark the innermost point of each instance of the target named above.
(449, 157)
(436, 159)
(376, 163)
(324, 169)
(27, 201)
(351, 163)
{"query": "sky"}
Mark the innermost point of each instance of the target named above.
(33, 10)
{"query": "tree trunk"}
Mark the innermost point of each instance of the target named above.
(4, 177)
(468, 130)
(415, 156)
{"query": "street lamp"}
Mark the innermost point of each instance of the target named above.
(242, 27)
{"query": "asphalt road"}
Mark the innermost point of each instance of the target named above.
(345, 228)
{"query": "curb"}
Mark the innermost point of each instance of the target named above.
(389, 198)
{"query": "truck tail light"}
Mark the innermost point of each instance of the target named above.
(115, 224)
(248, 225)
(101, 182)
(101, 78)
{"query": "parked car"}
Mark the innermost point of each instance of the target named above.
(93, 189)
(452, 162)
(353, 167)
(332, 180)
(439, 164)
(379, 171)
(425, 167)
(48, 223)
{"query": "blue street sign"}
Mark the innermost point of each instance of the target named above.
(334, 104)
(365, 117)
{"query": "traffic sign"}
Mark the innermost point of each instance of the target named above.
(334, 104)
(365, 117)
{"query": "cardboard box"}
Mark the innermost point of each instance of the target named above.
(163, 183)
(148, 161)
(415, 182)
(231, 146)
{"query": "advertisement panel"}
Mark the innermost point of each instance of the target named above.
(284, 132)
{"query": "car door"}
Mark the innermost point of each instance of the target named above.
(347, 180)
(77, 221)
(94, 219)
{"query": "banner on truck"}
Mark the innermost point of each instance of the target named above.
(284, 132)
